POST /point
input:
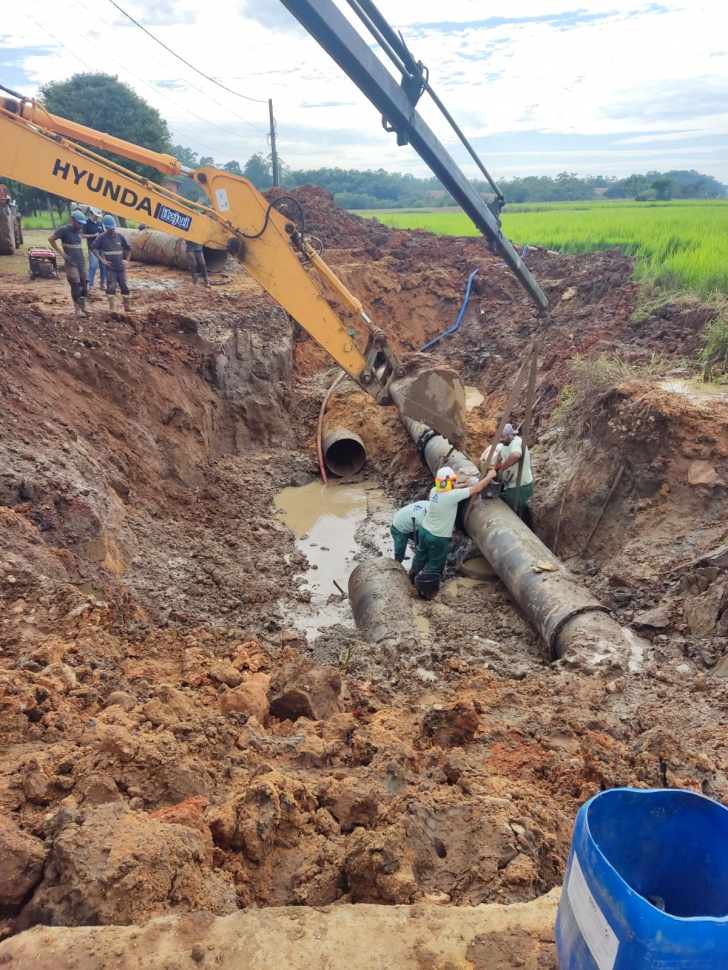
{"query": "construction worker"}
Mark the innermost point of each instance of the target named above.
(196, 262)
(508, 454)
(439, 521)
(114, 253)
(92, 229)
(76, 273)
(405, 525)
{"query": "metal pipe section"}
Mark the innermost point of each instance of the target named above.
(344, 452)
(150, 246)
(572, 623)
(381, 600)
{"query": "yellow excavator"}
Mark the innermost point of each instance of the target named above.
(43, 150)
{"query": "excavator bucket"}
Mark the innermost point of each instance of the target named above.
(435, 397)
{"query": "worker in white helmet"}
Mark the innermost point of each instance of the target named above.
(508, 456)
(439, 521)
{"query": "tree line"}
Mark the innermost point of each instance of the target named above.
(378, 189)
(102, 102)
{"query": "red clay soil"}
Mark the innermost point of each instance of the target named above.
(168, 744)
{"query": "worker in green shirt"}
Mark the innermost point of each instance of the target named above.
(508, 456)
(405, 524)
(439, 521)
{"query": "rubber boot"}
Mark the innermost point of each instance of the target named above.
(82, 304)
(79, 308)
(112, 300)
(194, 278)
(126, 300)
(414, 573)
(207, 282)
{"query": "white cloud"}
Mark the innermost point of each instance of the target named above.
(611, 70)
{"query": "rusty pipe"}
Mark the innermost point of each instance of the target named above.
(163, 249)
(344, 452)
(573, 624)
(380, 597)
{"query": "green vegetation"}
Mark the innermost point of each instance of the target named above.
(679, 244)
(714, 355)
(43, 220)
(102, 102)
(355, 189)
(592, 382)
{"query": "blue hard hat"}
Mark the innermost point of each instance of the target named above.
(108, 222)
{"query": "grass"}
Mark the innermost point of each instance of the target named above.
(714, 354)
(590, 384)
(43, 221)
(678, 245)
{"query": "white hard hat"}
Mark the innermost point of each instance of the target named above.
(444, 473)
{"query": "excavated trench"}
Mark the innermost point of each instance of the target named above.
(190, 720)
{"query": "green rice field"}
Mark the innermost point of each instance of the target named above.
(678, 245)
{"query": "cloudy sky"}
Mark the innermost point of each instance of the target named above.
(591, 86)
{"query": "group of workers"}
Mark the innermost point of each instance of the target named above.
(109, 252)
(429, 525)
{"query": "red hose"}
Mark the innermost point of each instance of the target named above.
(319, 431)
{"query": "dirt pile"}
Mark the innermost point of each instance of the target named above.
(354, 938)
(332, 225)
(172, 743)
(111, 865)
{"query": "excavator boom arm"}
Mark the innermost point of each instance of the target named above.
(34, 148)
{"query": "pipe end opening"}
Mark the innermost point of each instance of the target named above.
(346, 456)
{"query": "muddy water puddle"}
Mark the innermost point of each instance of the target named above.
(473, 398)
(455, 586)
(422, 625)
(336, 526)
(695, 388)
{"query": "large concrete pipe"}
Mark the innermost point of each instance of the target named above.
(573, 624)
(344, 451)
(381, 600)
(149, 246)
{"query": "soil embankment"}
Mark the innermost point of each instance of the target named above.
(172, 742)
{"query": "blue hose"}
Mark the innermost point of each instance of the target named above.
(460, 315)
(523, 256)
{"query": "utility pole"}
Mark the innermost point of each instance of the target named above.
(273, 152)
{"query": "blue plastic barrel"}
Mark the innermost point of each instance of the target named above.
(646, 885)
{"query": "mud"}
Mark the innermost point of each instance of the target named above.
(177, 742)
(327, 521)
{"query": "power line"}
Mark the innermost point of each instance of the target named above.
(93, 71)
(172, 100)
(179, 58)
(59, 42)
(184, 81)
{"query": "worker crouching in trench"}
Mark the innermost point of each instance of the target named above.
(437, 527)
